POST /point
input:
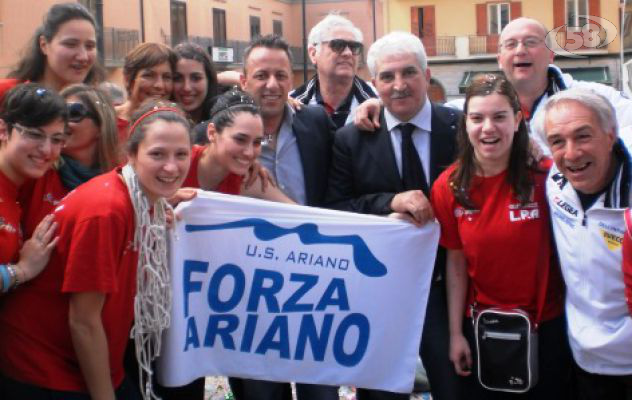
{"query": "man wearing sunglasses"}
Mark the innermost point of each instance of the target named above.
(335, 47)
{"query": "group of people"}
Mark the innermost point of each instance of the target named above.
(87, 189)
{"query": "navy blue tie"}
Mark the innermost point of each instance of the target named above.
(413, 175)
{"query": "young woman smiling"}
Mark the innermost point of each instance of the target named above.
(63, 51)
(235, 133)
(32, 133)
(497, 257)
(195, 81)
(91, 150)
(112, 235)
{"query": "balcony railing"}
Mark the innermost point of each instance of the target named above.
(446, 46)
(478, 45)
(117, 43)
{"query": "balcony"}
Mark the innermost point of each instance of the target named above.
(445, 46)
(117, 43)
(483, 45)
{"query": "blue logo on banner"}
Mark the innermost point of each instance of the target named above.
(365, 261)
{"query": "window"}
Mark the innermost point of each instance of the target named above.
(219, 27)
(277, 27)
(575, 8)
(498, 16)
(178, 22)
(255, 27)
(91, 5)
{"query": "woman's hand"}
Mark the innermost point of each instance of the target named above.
(182, 194)
(460, 354)
(36, 251)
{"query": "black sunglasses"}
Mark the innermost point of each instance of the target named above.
(77, 112)
(339, 45)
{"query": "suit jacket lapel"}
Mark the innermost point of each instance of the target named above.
(383, 153)
(307, 157)
(441, 144)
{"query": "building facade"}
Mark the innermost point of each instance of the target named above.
(461, 36)
(224, 27)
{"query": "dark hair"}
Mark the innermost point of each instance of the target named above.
(195, 52)
(147, 114)
(228, 105)
(520, 161)
(269, 42)
(146, 55)
(32, 105)
(32, 65)
(102, 112)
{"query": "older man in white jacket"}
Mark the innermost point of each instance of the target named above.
(588, 190)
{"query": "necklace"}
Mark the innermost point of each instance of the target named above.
(268, 139)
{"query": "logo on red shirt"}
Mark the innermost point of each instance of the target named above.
(523, 212)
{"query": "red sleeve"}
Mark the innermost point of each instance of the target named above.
(627, 258)
(444, 205)
(94, 254)
(5, 86)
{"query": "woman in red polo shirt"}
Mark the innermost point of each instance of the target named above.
(495, 226)
(62, 51)
(235, 134)
(91, 149)
(32, 133)
(65, 334)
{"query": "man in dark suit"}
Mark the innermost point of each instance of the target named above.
(297, 151)
(392, 170)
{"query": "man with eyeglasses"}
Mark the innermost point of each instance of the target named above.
(335, 46)
(526, 60)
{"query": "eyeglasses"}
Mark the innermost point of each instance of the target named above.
(530, 42)
(339, 45)
(38, 137)
(77, 112)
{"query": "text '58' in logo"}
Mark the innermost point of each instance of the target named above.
(596, 33)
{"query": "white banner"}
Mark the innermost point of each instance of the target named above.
(291, 293)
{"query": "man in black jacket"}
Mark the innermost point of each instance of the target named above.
(335, 47)
(297, 151)
(392, 170)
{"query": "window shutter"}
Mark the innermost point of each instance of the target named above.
(559, 13)
(429, 35)
(594, 8)
(515, 10)
(481, 19)
(414, 21)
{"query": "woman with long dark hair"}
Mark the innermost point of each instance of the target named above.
(62, 51)
(495, 226)
(194, 81)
